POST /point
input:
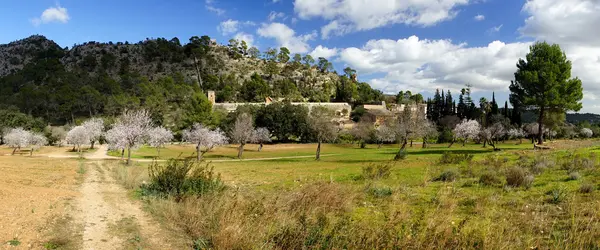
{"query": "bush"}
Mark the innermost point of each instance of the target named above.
(376, 172)
(518, 177)
(379, 192)
(557, 195)
(586, 188)
(447, 176)
(180, 178)
(573, 176)
(495, 162)
(454, 158)
(540, 164)
(401, 155)
(490, 179)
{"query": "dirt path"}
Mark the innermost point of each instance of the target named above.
(110, 219)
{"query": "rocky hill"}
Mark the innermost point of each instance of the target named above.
(40, 78)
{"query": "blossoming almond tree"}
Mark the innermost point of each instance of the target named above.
(467, 129)
(116, 139)
(204, 139)
(95, 129)
(134, 126)
(36, 140)
(158, 137)
(242, 132)
(78, 136)
(17, 138)
(385, 133)
(260, 136)
(586, 132)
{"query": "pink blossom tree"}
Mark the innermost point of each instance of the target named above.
(95, 129)
(260, 136)
(135, 126)
(36, 141)
(78, 136)
(204, 139)
(116, 139)
(242, 132)
(17, 138)
(158, 137)
(467, 129)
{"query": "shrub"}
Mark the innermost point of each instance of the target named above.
(401, 155)
(518, 177)
(557, 195)
(586, 188)
(180, 178)
(447, 176)
(540, 164)
(376, 172)
(379, 192)
(454, 158)
(495, 162)
(490, 179)
(574, 176)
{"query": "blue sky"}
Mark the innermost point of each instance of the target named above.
(394, 44)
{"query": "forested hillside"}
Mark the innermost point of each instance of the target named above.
(61, 85)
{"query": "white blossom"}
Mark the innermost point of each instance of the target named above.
(516, 133)
(159, 136)
(385, 133)
(94, 128)
(17, 138)
(467, 129)
(37, 140)
(134, 127)
(115, 138)
(204, 138)
(260, 136)
(586, 132)
(78, 136)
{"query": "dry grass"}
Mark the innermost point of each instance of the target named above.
(33, 192)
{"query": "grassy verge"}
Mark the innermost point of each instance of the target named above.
(360, 200)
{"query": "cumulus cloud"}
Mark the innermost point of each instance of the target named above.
(232, 26)
(241, 36)
(286, 37)
(356, 15)
(424, 65)
(275, 15)
(324, 52)
(479, 18)
(52, 14)
(569, 23)
(210, 6)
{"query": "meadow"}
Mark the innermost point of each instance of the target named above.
(438, 197)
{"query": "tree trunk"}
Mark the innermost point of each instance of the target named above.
(31, 152)
(240, 151)
(540, 127)
(260, 146)
(198, 72)
(128, 155)
(158, 152)
(198, 154)
(411, 143)
(93, 142)
(464, 142)
(424, 143)
(451, 143)
(122, 154)
(484, 142)
(404, 143)
(379, 145)
(318, 157)
(14, 150)
(363, 144)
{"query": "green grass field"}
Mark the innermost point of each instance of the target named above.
(411, 208)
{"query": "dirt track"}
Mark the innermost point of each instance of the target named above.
(111, 220)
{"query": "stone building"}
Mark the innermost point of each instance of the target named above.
(342, 109)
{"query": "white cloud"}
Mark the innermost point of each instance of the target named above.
(424, 65)
(357, 15)
(570, 24)
(211, 7)
(479, 18)
(324, 52)
(232, 26)
(52, 14)
(495, 29)
(275, 15)
(286, 37)
(241, 36)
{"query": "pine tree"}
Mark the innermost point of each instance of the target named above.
(506, 109)
(448, 104)
(436, 106)
(494, 105)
